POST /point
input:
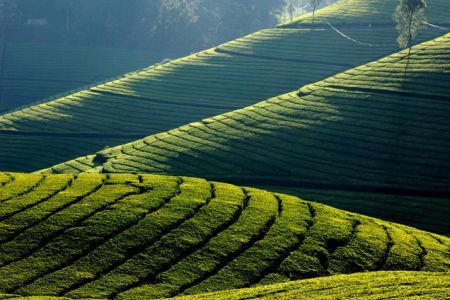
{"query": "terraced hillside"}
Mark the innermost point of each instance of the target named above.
(34, 71)
(230, 76)
(375, 129)
(148, 236)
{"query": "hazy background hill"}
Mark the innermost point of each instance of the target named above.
(230, 76)
(48, 47)
(35, 71)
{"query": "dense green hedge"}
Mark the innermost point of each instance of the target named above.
(149, 236)
(374, 285)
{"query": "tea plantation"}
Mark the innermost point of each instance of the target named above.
(147, 236)
(343, 139)
(35, 71)
(369, 285)
(381, 128)
(374, 285)
(231, 76)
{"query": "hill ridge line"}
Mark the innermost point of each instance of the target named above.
(186, 104)
(70, 134)
(301, 25)
(336, 187)
(31, 79)
(388, 92)
(266, 57)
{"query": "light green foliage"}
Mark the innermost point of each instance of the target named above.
(5, 178)
(149, 236)
(374, 285)
(188, 237)
(254, 218)
(17, 185)
(367, 250)
(54, 202)
(330, 229)
(406, 247)
(16, 297)
(409, 16)
(152, 210)
(261, 253)
(44, 190)
(32, 259)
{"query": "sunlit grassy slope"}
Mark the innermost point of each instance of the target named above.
(374, 285)
(240, 73)
(377, 128)
(35, 71)
(371, 285)
(148, 236)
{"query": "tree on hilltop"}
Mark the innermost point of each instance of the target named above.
(314, 5)
(409, 16)
(292, 8)
(8, 14)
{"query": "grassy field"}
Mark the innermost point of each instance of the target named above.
(372, 285)
(130, 236)
(231, 76)
(35, 71)
(372, 129)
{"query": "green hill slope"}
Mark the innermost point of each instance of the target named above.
(149, 236)
(35, 71)
(372, 285)
(230, 76)
(374, 129)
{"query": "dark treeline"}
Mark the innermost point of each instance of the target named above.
(143, 24)
(137, 24)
